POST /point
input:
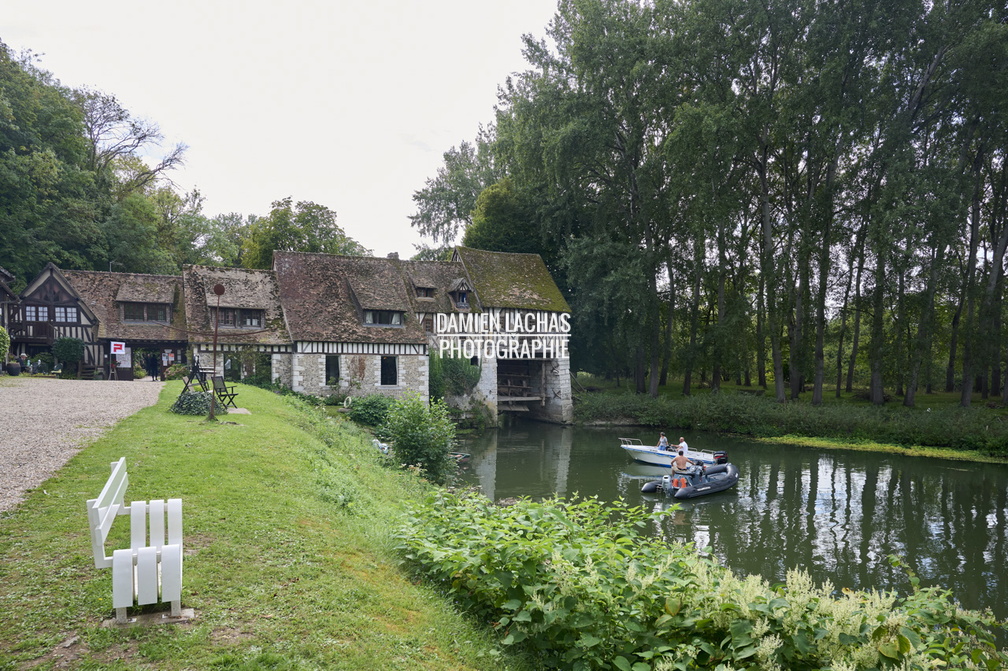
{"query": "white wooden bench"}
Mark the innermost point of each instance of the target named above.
(151, 568)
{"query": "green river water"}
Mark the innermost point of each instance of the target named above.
(837, 514)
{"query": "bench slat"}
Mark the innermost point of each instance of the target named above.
(147, 576)
(171, 573)
(157, 523)
(122, 578)
(175, 521)
(138, 524)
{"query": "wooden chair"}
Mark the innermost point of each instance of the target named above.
(225, 393)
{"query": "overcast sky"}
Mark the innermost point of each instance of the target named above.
(349, 104)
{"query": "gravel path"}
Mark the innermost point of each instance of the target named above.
(45, 421)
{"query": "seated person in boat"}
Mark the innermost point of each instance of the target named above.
(662, 441)
(681, 464)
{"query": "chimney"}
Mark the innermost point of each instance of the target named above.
(393, 255)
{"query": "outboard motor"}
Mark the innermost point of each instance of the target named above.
(721, 457)
(666, 483)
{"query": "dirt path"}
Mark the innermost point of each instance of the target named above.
(45, 421)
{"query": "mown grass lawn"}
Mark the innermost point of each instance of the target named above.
(288, 557)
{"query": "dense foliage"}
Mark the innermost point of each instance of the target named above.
(196, 403)
(370, 410)
(451, 376)
(807, 195)
(422, 436)
(940, 426)
(4, 345)
(578, 585)
(68, 350)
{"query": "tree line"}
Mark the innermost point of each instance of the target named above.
(77, 187)
(805, 194)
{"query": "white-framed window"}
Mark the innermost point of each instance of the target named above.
(65, 314)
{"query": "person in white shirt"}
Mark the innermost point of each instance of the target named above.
(684, 448)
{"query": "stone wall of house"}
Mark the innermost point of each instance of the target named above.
(559, 403)
(282, 369)
(360, 375)
(485, 393)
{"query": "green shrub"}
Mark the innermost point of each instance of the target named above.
(4, 345)
(177, 371)
(451, 376)
(196, 403)
(579, 585)
(68, 350)
(421, 436)
(370, 410)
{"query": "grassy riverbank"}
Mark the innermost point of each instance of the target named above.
(935, 428)
(288, 557)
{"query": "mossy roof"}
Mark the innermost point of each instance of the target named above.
(102, 292)
(324, 296)
(441, 276)
(243, 288)
(511, 280)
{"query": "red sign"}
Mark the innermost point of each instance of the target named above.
(118, 347)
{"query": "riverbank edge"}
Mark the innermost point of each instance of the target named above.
(826, 443)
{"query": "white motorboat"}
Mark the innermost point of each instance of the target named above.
(649, 454)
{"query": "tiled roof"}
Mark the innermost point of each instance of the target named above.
(100, 291)
(441, 276)
(243, 288)
(323, 297)
(511, 280)
(145, 289)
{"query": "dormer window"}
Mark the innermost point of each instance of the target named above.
(240, 318)
(383, 318)
(463, 299)
(425, 292)
(145, 312)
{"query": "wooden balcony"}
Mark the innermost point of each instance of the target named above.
(31, 332)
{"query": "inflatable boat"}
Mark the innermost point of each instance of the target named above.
(702, 480)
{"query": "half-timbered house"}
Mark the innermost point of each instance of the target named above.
(50, 308)
(352, 325)
(245, 320)
(133, 313)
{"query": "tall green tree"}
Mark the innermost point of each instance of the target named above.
(304, 227)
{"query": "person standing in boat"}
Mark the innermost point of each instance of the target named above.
(662, 441)
(683, 447)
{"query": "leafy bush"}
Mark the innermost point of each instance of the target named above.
(421, 436)
(177, 371)
(68, 350)
(577, 585)
(450, 376)
(4, 345)
(370, 410)
(196, 403)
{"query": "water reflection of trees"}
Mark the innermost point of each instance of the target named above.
(840, 519)
(837, 514)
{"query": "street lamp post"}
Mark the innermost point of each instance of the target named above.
(219, 290)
